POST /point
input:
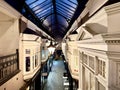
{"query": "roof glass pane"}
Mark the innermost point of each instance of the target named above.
(45, 11)
(50, 19)
(63, 12)
(45, 15)
(31, 1)
(50, 9)
(62, 20)
(55, 15)
(39, 3)
(73, 1)
(63, 26)
(68, 3)
(64, 8)
(42, 9)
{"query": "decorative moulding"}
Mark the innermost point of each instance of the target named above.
(113, 9)
(85, 34)
(73, 37)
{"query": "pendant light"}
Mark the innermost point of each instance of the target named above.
(51, 47)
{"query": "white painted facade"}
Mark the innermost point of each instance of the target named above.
(31, 49)
(98, 44)
(11, 39)
(9, 42)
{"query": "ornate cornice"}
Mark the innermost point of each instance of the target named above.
(115, 56)
(112, 42)
(112, 9)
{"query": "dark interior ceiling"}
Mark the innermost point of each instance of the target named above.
(54, 17)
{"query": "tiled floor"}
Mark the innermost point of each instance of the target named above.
(55, 77)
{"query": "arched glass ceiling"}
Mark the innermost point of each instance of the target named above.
(55, 17)
(55, 14)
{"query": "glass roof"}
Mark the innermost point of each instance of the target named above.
(55, 14)
(55, 17)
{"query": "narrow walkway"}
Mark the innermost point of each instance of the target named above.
(55, 77)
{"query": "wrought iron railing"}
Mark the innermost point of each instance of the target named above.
(9, 66)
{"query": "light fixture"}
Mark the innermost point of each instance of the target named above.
(51, 47)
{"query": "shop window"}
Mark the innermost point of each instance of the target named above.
(101, 68)
(36, 60)
(100, 86)
(85, 58)
(80, 55)
(27, 51)
(118, 75)
(33, 61)
(27, 63)
(75, 84)
(9, 66)
(43, 54)
(91, 62)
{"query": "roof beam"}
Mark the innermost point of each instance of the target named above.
(54, 6)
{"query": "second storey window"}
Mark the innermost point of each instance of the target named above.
(101, 68)
(36, 60)
(27, 63)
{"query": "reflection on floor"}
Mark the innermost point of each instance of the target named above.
(55, 77)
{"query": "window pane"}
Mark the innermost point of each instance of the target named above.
(27, 63)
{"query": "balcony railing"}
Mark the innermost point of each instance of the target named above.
(9, 66)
